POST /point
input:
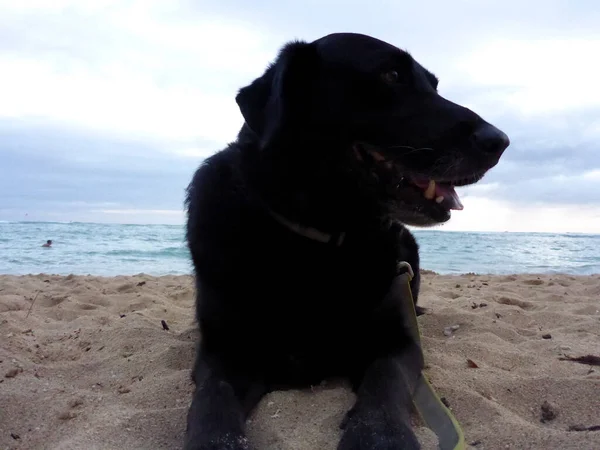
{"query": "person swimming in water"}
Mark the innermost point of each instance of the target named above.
(48, 243)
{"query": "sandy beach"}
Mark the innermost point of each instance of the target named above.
(89, 364)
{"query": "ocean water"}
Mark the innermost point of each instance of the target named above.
(103, 249)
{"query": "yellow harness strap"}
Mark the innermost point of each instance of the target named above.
(431, 409)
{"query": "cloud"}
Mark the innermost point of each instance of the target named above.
(559, 190)
(543, 76)
(489, 214)
(126, 68)
(108, 106)
(63, 173)
(194, 152)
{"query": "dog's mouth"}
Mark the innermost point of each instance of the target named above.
(433, 197)
(440, 192)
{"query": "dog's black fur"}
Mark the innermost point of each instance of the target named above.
(335, 130)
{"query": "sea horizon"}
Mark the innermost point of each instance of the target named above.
(111, 249)
(412, 228)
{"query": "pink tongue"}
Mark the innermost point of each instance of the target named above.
(451, 198)
(449, 195)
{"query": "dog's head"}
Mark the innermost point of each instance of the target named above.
(370, 107)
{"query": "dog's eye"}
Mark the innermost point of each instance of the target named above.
(391, 76)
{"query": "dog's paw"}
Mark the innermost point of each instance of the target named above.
(222, 442)
(421, 311)
(375, 432)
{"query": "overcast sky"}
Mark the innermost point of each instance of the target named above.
(107, 107)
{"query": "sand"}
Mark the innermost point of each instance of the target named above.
(89, 365)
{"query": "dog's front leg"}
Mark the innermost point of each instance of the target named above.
(380, 418)
(218, 411)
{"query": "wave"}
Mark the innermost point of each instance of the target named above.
(161, 253)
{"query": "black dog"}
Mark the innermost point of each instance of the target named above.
(296, 228)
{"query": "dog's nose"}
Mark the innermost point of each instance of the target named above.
(490, 139)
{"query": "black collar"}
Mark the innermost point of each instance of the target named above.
(335, 239)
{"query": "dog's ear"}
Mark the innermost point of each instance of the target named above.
(279, 99)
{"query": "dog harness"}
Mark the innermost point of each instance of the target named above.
(428, 404)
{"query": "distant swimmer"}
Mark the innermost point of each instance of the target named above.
(48, 243)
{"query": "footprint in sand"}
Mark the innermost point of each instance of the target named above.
(87, 306)
(53, 300)
(588, 311)
(99, 301)
(536, 282)
(126, 288)
(450, 295)
(178, 356)
(183, 295)
(13, 302)
(515, 302)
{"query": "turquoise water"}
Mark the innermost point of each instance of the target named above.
(99, 249)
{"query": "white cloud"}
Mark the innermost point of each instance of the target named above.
(142, 68)
(536, 76)
(484, 214)
(592, 175)
(163, 78)
(120, 102)
(195, 153)
(46, 5)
